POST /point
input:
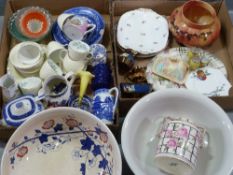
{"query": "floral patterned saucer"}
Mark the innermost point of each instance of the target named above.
(142, 31)
(208, 81)
(62, 141)
(183, 53)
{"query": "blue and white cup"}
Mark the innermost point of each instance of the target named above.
(104, 104)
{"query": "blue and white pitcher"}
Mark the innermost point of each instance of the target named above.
(104, 104)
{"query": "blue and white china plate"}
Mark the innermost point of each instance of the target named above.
(19, 110)
(85, 105)
(62, 140)
(93, 16)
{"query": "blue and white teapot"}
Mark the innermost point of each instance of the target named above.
(104, 104)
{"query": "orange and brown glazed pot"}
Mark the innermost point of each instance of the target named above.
(195, 23)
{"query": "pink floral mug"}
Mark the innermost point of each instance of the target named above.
(179, 143)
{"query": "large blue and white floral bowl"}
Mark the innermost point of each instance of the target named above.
(62, 141)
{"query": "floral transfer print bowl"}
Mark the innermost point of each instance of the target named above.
(62, 141)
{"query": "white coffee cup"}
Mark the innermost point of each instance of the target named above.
(49, 68)
(180, 141)
(56, 52)
(78, 51)
(70, 65)
(30, 85)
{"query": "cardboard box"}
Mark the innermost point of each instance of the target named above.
(55, 7)
(222, 47)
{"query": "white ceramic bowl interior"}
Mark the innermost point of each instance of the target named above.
(62, 141)
(143, 120)
(27, 57)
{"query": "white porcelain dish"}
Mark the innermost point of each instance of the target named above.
(181, 53)
(62, 141)
(142, 31)
(144, 118)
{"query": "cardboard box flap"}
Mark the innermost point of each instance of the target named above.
(226, 30)
(58, 6)
(162, 7)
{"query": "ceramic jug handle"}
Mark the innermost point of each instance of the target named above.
(70, 77)
(91, 28)
(115, 91)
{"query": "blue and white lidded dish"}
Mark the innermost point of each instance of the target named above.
(17, 111)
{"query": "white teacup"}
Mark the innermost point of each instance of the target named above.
(50, 68)
(30, 85)
(79, 51)
(70, 65)
(179, 144)
(56, 52)
(27, 57)
(29, 53)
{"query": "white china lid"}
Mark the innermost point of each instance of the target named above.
(143, 31)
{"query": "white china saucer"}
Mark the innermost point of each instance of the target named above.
(208, 81)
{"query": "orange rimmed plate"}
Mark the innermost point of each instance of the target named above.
(34, 22)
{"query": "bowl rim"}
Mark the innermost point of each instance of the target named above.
(165, 92)
(42, 114)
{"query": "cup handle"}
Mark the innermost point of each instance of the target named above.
(91, 28)
(116, 91)
(62, 54)
(41, 95)
(70, 77)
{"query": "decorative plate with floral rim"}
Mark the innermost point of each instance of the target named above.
(62, 141)
(143, 32)
(183, 53)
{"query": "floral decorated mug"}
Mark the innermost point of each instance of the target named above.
(77, 27)
(179, 144)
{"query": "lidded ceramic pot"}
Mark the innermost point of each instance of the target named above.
(195, 23)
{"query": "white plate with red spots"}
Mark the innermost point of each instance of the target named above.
(142, 31)
(62, 141)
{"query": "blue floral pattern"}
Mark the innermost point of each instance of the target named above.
(94, 151)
